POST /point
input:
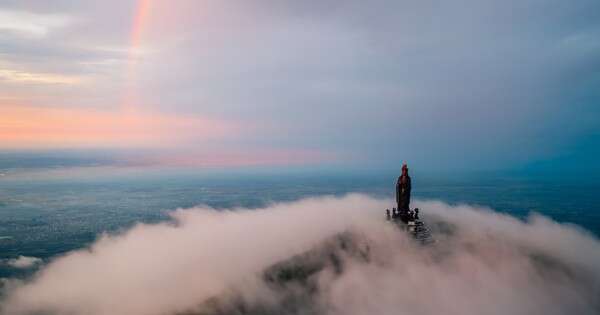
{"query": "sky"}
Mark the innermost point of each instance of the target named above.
(455, 85)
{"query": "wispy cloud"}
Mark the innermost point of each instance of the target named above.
(29, 23)
(23, 262)
(15, 76)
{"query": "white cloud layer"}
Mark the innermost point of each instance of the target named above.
(483, 262)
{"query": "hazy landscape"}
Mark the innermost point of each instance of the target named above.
(237, 157)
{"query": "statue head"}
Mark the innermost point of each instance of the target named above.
(404, 169)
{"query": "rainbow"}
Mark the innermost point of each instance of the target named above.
(140, 19)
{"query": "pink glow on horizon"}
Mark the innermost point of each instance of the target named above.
(42, 127)
(34, 127)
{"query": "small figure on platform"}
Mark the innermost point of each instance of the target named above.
(403, 187)
(387, 214)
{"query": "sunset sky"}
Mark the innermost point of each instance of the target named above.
(467, 84)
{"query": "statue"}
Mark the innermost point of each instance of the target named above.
(403, 187)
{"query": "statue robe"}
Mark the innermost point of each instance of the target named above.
(403, 187)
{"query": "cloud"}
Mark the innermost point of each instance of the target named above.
(31, 23)
(23, 262)
(15, 76)
(210, 261)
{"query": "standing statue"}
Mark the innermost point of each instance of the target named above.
(403, 191)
